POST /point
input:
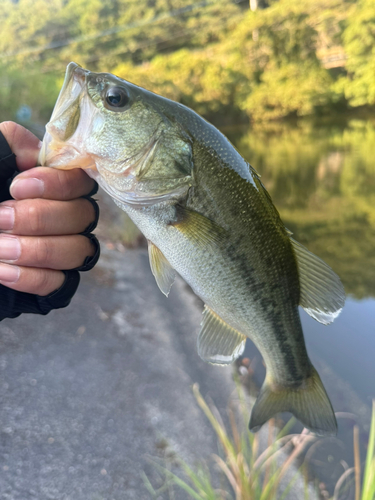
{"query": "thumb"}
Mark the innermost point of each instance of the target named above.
(23, 143)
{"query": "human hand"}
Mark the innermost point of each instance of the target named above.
(40, 229)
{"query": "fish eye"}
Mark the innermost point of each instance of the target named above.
(116, 98)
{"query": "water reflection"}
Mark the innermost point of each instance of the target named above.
(344, 354)
(348, 344)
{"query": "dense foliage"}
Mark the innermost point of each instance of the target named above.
(292, 57)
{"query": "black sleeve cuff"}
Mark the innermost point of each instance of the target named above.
(62, 296)
(13, 303)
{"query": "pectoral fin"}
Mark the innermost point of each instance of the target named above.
(197, 227)
(322, 294)
(218, 342)
(161, 269)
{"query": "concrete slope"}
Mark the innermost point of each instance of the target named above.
(88, 392)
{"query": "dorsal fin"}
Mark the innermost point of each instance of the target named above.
(322, 294)
(218, 342)
(161, 269)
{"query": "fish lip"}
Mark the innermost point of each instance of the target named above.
(76, 72)
(73, 86)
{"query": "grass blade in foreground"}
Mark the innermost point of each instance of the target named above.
(368, 492)
(368, 486)
(251, 474)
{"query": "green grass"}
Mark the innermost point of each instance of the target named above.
(247, 473)
(366, 489)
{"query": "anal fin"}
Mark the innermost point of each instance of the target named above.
(218, 342)
(161, 269)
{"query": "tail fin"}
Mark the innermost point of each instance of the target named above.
(309, 403)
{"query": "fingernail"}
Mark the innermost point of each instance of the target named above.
(9, 274)
(6, 218)
(27, 188)
(10, 247)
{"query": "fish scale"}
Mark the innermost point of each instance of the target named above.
(207, 216)
(239, 250)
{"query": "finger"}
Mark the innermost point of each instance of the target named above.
(51, 184)
(23, 143)
(49, 252)
(26, 279)
(46, 217)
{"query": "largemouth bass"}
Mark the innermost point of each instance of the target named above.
(207, 216)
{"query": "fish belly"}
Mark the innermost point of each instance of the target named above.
(276, 331)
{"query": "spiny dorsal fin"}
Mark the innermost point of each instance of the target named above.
(161, 269)
(197, 227)
(322, 294)
(309, 403)
(218, 342)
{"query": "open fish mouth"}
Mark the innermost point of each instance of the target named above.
(71, 106)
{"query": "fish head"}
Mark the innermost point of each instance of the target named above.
(121, 134)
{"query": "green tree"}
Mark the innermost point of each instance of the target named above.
(279, 47)
(218, 57)
(359, 43)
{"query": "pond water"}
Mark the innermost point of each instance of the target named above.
(321, 177)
